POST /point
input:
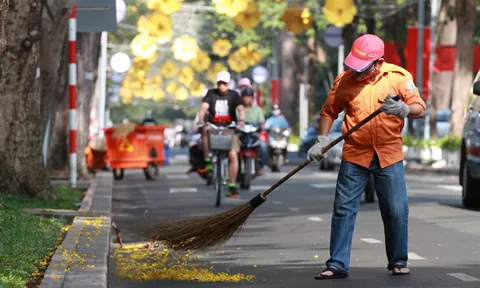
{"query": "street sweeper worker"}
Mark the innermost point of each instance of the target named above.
(369, 83)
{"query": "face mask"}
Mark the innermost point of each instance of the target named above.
(371, 72)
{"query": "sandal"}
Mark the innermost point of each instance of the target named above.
(337, 273)
(399, 266)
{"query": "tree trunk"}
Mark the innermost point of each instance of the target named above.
(465, 12)
(21, 120)
(57, 150)
(442, 81)
(88, 47)
(290, 82)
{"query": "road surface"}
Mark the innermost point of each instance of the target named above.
(286, 241)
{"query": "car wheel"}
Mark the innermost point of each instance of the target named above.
(470, 198)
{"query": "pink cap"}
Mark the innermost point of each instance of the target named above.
(245, 82)
(365, 50)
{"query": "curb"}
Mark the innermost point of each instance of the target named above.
(82, 258)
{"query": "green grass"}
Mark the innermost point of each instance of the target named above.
(66, 199)
(27, 239)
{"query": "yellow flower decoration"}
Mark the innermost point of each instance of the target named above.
(127, 100)
(181, 94)
(214, 70)
(155, 80)
(197, 88)
(144, 46)
(172, 87)
(169, 69)
(125, 92)
(148, 92)
(221, 47)
(157, 25)
(339, 12)
(186, 75)
(201, 62)
(237, 62)
(231, 8)
(185, 48)
(165, 6)
(297, 18)
(158, 94)
(248, 18)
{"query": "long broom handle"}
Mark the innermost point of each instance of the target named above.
(325, 149)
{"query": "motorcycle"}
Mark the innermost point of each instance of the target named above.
(309, 139)
(249, 143)
(277, 147)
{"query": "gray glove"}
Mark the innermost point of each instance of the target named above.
(315, 152)
(397, 108)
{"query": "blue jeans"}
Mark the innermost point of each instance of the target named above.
(393, 202)
(263, 154)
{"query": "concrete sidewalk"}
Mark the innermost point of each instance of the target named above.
(82, 258)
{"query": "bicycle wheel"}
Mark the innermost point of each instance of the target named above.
(218, 182)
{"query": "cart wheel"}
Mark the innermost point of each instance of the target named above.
(151, 172)
(118, 174)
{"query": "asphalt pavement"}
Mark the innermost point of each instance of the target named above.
(285, 242)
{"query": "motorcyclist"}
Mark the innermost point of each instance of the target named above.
(277, 120)
(222, 104)
(254, 115)
(149, 120)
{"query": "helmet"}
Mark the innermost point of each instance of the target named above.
(245, 82)
(247, 92)
(276, 110)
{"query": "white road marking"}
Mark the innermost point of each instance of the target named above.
(463, 277)
(315, 219)
(456, 188)
(183, 190)
(277, 202)
(414, 256)
(324, 185)
(294, 209)
(177, 177)
(371, 240)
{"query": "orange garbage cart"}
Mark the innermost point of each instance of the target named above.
(143, 148)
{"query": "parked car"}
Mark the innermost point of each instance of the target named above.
(469, 175)
(334, 155)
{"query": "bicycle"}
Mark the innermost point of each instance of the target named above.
(220, 144)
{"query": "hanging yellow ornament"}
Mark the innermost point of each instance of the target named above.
(158, 95)
(237, 62)
(339, 12)
(248, 18)
(231, 8)
(165, 6)
(144, 46)
(201, 62)
(157, 25)
(169, 69)
(221, 47)
(172, 87)
(126, 100)
(197, 88)
(214, 70)
(181, 94)
(186, 75)
(297, 18)
(185, 48)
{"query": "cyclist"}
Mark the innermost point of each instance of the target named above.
(222, 104)
(254, 115)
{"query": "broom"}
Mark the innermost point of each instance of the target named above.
(199, 233)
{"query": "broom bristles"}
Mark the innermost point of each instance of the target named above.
(199, 233)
